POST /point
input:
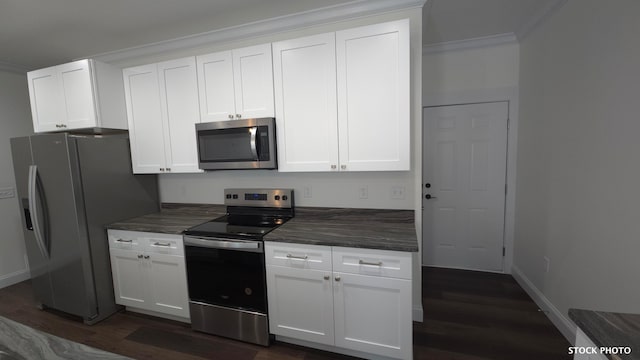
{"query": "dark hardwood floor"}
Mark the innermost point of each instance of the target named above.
(468, 316)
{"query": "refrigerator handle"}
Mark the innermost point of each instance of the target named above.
(33, 174)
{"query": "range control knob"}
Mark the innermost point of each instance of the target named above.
(228, 196)
(235, 196)
(284, 197)
(277, 197)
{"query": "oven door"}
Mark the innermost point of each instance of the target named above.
(237, 144)
(226, 272)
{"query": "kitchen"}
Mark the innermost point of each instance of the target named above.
(327, 190)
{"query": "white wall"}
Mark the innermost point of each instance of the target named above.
(15, 120)
(484, 70)
(578, 170)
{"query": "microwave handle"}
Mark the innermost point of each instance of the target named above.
(254, 148)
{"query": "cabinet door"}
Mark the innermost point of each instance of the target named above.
(253, 79)
(300, 304)
(142, 95)
(46, 99)
(374, 97)
(78, 92)
(180, 113)
(129, 280)
(373, 314)
(168, 284)
(215, 86)
(306, 105)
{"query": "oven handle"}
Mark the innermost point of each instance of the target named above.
(254, 146)
(228, 244)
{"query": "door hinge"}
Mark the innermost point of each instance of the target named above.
(504, 251)
(505, 189)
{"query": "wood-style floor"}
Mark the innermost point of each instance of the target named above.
(468, 316)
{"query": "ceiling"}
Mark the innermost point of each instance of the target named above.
(37, 33)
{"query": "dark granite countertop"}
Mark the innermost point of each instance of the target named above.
(364, 228)
(172, 218)
(610, 329)
(361, 228)
(21, 342)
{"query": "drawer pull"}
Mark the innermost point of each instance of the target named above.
(362, 262)
(289, 256)
(124, 241)
(161, 244)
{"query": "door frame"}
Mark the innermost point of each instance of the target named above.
(509, 95)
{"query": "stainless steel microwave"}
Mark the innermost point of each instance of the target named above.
(237, 144)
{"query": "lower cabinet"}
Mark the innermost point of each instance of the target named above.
(149, 273)
(341, 298)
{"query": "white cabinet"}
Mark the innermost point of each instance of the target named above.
(349, 91)
(236, 84)
(162, 110)
(346, 298)
(77, 95)
(149, 273)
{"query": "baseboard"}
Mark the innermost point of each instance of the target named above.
(14, 278)
(561, 322)
(418, 314)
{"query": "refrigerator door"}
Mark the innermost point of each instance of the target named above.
(65, 233)
(38, 261)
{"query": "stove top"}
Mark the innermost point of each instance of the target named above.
(251, 214)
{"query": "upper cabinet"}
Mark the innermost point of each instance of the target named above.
(236, 84)
(162, 109)
(343, 100)
(78, 95)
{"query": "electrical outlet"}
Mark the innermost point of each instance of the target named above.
(306, 192)
(546, 264)
(397, 192)
(6, 193)
(363, 191)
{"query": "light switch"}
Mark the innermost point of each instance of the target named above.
(6, 193)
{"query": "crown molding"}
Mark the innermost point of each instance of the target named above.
(9, 67)
(350, 10)
(539, 18)
(480, 42)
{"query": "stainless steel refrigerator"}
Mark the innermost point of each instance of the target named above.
(70, 187)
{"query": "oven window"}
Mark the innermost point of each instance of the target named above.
(228, 278)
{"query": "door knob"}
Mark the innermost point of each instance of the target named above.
(337, 278)
(427, 185)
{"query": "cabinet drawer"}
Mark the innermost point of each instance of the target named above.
(126, 240)
(385, 263)
(298, 256)
(164, 244)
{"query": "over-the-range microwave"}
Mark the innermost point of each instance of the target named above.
(237, 144)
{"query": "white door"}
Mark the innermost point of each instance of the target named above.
(77, 88)
(373, 81)
(464, 177)
(215, 86)
(253, 81)
(180, 113)
(46, 99)
(142, 95)
(371, 314)
(306, 108)
(168, 284)
(300, 303)
(129, 278)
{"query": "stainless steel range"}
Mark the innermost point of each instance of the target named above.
(225, 264)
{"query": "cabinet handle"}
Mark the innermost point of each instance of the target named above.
(161, 169)
(337, 278)
(64, 126)
(139, 256)
(124, 241)
(168, 169)
(238, 116)
(161, 244)
(343, 167)
(327, 277)
(146, 256)
(230, 116)
(362, 262)
(333, 166)
(289, 256)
